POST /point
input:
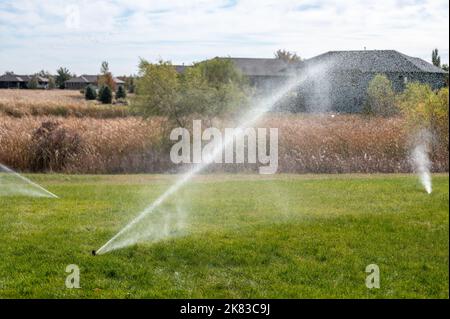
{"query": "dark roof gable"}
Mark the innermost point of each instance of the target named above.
(374, 61)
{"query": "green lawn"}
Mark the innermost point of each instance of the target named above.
(282, 236)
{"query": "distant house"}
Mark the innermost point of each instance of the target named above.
(338, 80)
(263, 73)
(80, 82)
(15, 81)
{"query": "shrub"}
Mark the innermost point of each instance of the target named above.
(51, 83)
(121, 93)
(53, 146)
(380, 97)
(33, 83)
(90, 93)
(106, 95)
(100, 92)
(425, 109)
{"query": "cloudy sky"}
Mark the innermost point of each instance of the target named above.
(37, 35)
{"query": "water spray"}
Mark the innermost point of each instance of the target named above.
(40, 189)
(261, 107)
(420, 159)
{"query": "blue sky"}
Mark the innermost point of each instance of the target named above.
(37, 35)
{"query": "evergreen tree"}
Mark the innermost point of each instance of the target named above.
(90, 93)
(106, 95)
(62, 75)
(435, 58)
(121, 93)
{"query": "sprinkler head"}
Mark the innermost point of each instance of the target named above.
(94, 253)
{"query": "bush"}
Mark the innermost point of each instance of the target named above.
(425, 109)
(51, 83)
(33, 83)
(100, 92)
(121, 93)
(52, 147)
(90, 93)
(105, 95)
(380, 97)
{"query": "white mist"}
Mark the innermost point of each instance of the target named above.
(420, 159)
(12, 183)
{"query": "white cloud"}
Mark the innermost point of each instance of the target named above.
(34, 34)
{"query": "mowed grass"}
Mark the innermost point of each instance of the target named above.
(282, 236)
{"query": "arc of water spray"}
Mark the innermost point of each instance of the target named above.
(23, 178)
(251, 117)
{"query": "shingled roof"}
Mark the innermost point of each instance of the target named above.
(260, 66)
(11, 77)
(374, 61)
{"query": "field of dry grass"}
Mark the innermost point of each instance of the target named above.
(18, 103)
(307, 144)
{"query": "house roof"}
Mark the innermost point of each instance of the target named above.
(374, 61)
(118, 81)
(89, 79)
(83, 79)
(7, 77)
(261, 66)
(20, 78)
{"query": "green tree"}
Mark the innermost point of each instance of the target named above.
(90, 93)
(435, 58)
(106, 95)
(62, 75)
(106, 77)
(157, 91)
(211, 88)
(121, 93)
(287, 56)
(217, 87)
(104, 69)
(380, 96)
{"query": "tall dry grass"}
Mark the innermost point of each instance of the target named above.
(109, 145)
(341, 144)
(19, 103)
(307, 144)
